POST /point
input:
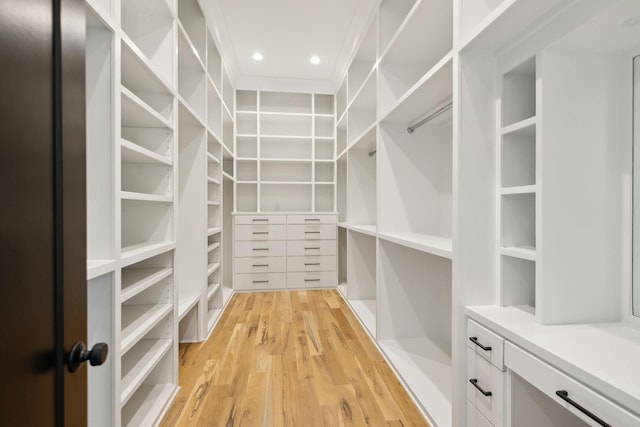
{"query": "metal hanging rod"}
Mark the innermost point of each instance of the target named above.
(431, 116)
(372, 152)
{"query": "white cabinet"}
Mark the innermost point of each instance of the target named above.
(302, 246)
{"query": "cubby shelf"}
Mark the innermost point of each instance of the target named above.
(185, 304)
(137, 280)
(136, 113)
(436, 245)
(135, 253)
(139, 363)
(134, 153)
(139, 319)
(147, 404)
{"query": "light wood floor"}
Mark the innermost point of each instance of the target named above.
(288, 359)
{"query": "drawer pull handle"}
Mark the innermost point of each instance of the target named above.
(260, 281)
(564, 395)
(261, 265)
(474, 382)
(311, 263)
(260, 232)
(311, 232)
(311, 280)
(476, 342)
(317, 248)
(260, 249)
(260, 219)
(312, 219)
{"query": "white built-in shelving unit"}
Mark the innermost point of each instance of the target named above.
(395, 193)
(284, 152)
(511, 200)
(159, 107)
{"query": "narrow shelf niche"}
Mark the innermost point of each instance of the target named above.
(519, 93)
(145, 224)
(363, 62)
(414, 324)
(247, 147)
(361, 278)
(247, 197)
(100, 142)
(519, 158)
(214, 63)
(391, 16)
(100, 303)
(323, 104)
(324, 196)
(518, 282)
(194, 24)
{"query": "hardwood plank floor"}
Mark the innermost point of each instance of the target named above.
(296, 358)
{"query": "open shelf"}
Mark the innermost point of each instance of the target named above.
(214, 63)
(144, 224)
(214, 111)
(414, 324)
(518, 284)
(139, 279)
(138, 319)
(323, 104)
(286, 125)
(362, 182)
(146, 405)
(285, 148)
(192, 81)
(518, 102)
(100, 143)
(134, 153)
(362, 111)
(137, 113)
(139, 76)
(361, 278)
(281, 102)
(363, 62)
(139, 362)
(149, 24)
(285, 197)
(193, 22)
(423, 40)
(392, 15)
(185, 304)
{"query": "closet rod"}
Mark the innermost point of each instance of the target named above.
(431, 116)
(372, 152)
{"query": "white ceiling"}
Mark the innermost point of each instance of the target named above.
(288, 33)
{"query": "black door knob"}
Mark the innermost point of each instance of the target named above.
(79, 354)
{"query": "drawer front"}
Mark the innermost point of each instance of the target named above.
(322, 279)
(311, 263)
(260, 219)
(490, 379)
(475, 418)
(320, 247)
(312, 219)
(478, 337)
(260, 232)
(259, 281)
(549, 380)
(269, 248)
(311, 232)
(261, 265)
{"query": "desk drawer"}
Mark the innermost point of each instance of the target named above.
(269, 248)
(261, 265)
(311, 263)
(311, 232)
(260, 232)
(486, 343)
(259, 281)
(321, 279)
(550, 381)
(487, 379)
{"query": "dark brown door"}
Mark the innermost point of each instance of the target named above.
(42, 212)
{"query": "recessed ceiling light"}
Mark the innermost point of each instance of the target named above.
(315, 59)
(257, 56)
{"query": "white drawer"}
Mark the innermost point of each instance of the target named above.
(320, 247)
(475, 418)
(259, 281)
(248, 248)
(551, 381)
(260, 232)
(483, 376)
(311, 263)
(311, 280)
(260, 219)
(312, 219)
(260, 265)
(311, 232)
(486, 343)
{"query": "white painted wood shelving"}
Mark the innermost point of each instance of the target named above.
(511, 200)
(159, 111)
